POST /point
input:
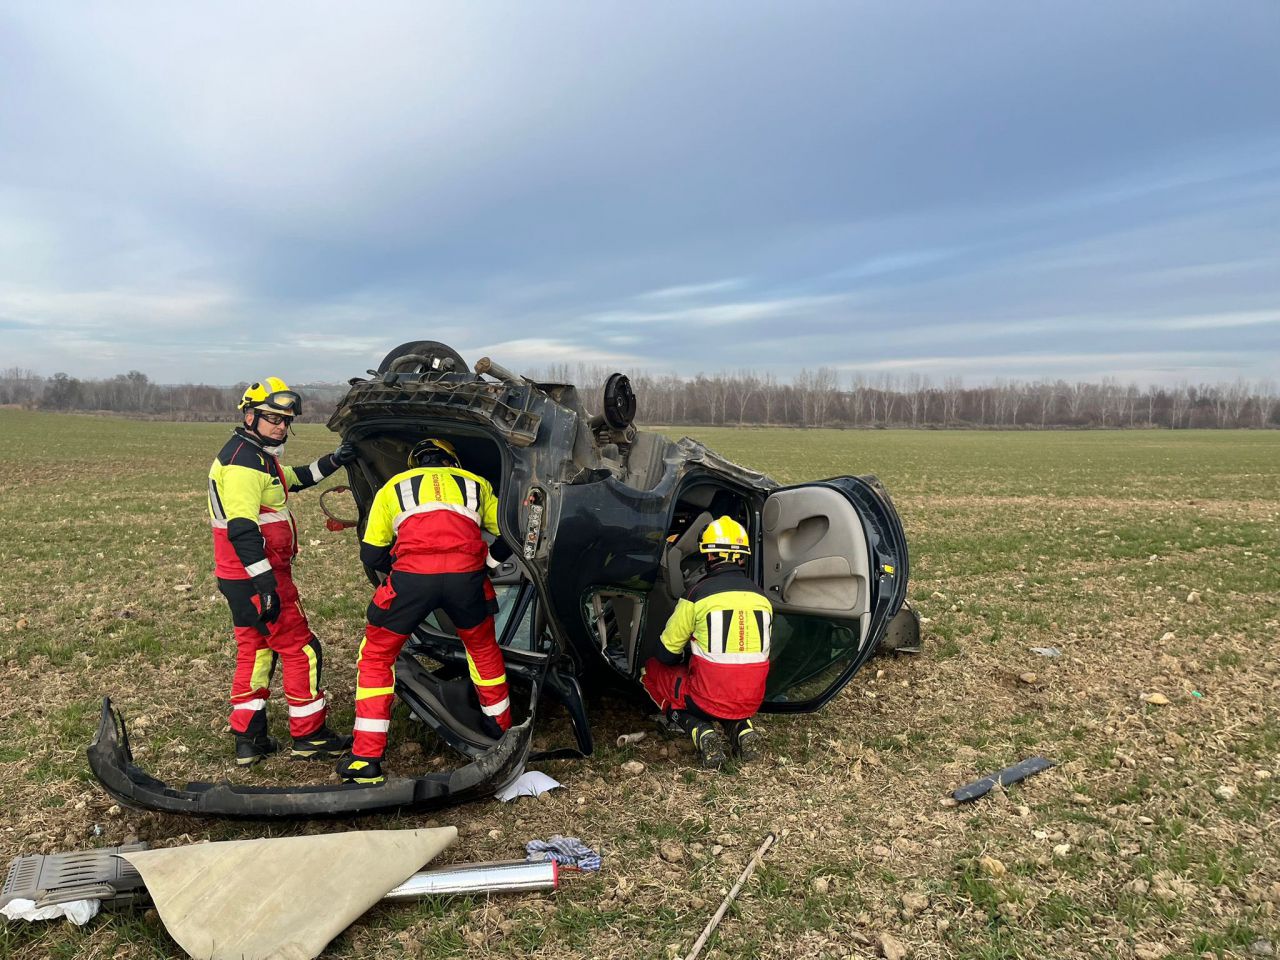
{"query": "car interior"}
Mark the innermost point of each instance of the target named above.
(813, 562)
(629, 623)
(444, 679)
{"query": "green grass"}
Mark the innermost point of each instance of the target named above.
(1090, 542)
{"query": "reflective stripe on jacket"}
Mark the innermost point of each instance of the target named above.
(728, 621)
(434, 516)
(253, 529)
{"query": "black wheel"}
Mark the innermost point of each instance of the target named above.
(423, 356)
(618, 402)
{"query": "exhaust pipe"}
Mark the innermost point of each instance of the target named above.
(486, 365)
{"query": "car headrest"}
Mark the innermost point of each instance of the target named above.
(676, 552)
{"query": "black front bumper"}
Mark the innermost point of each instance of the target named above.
(111, 761)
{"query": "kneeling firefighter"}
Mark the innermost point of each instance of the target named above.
(254, 542)
(424, 532)
(724, 622)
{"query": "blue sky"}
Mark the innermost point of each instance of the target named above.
(982, 190)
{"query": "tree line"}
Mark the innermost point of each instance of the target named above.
(135, 394)
(822, 397)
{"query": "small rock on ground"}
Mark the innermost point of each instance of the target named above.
(890, 947)
(913, 904)
(671, 851)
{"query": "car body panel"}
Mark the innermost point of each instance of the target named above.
(111, 760)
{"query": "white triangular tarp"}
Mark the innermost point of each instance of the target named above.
(279, 899)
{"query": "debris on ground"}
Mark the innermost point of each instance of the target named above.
(1003, 778)
(531, 783)
(731, 895)
(566, 851)
(78, 912)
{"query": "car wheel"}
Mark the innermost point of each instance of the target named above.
(423, 356)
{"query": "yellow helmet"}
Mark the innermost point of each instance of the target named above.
(727, 537)
(272, 395)
(432, 446)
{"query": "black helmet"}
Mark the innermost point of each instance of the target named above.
(431, 451)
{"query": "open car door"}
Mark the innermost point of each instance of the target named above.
(834, 565)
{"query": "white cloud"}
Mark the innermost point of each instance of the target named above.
(1212, 321)
(118, 310)
(1144, 367)
(533, 352)
(723, 314)
(692, 290)
(349, 346)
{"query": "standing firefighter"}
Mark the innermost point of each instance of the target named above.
(424, 532)
(254, 543)
(724, 620)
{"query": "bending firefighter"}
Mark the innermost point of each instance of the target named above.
(424, 532)
(254, 543)
(724, 622)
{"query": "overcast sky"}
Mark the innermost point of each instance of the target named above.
(215, 192)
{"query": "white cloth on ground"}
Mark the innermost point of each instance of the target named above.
(78, 912)
(531, 783)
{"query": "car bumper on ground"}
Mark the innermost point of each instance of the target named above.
(111, 760)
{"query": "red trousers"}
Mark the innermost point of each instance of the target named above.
(735, 692)
(399, 605)
(291, 642)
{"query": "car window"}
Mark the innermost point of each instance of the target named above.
(522, 638)
(615, 617)
(809, 653)
(508, 595)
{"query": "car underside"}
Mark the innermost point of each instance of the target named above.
(602, 520)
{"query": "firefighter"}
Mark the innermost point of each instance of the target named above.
(424, 533)
(724, 622)
(254, 542)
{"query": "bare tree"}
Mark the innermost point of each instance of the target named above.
(1179, 403)
(1047, 394)
(952, 388)
(823, 386)
(914, 396)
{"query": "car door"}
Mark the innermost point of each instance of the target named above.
(833, 562)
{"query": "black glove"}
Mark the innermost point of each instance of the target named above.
(268, 608)
(345, 453)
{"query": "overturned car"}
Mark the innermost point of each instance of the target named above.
(603, 522)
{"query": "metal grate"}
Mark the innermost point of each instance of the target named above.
(508, 409)
(63, 877)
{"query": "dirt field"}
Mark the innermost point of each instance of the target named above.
(1148, 559)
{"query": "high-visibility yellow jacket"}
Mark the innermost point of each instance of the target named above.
(253, 531)
(725, 621)
(434, 516)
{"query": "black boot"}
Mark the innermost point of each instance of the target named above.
(709, 741)
(251, 749)
(744, 739)
(366, 771)
(321, 744)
